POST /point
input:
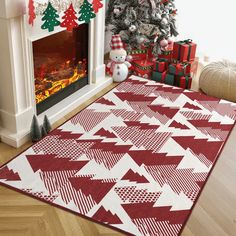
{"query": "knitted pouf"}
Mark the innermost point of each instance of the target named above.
(218, 79)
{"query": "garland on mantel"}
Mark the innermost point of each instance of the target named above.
(87, 11)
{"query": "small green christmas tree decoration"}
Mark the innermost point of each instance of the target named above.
(50, 18)
(43, 131)
(35, 132)
(46, 124)
(86, 12)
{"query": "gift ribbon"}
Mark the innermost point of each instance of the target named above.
(187, 81)
(167, 53)
(187, 41)
(158, 63)
(143, 67)
(178, 68)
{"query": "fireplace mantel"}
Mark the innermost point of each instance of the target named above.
(17, 101)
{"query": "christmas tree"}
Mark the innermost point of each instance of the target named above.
(46, 124)
(97, 5)
(69, 18)
(86, 12)
(50, 18)
(31, 13)
(142, 22)
(43, 131)
(35, 131)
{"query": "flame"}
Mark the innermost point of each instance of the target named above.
(47, 84)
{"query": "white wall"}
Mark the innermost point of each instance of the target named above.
(211, 24)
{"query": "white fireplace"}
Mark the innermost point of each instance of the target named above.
(17, 90)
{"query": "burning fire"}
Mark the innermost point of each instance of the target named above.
(49, 83)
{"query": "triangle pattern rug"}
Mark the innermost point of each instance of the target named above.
(135, 160)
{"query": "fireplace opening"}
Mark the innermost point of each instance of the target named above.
(60, 66)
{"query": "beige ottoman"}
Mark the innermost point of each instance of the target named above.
(218, 79)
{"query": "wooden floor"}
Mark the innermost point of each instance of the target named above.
(214, 214)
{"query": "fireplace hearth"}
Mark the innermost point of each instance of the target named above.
(60, 66)
(54, 88)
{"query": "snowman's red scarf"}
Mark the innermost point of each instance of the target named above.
(113, 63)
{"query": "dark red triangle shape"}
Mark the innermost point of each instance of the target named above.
(134, 177)
(131, 97)
(106, 216)
(148, 158)
(191, 106)
(169, 112)
(146, 210)
(178, 125)
(105, 102)
(105, 133)
(6, 173)
(49, 162)
(95, 188)
(200, 146)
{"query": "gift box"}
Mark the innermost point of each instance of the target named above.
(169, 79)
(160, 65)
(167, 55)
(183, 68)
(159, 76)
(143, 68)
(143, 53)
(138, 54)
(184, 82)
(184, 51)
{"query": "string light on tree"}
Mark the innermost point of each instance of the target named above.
(50, 18)
(69, 19)
(86, 12)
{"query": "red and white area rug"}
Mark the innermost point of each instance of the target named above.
(135, 160)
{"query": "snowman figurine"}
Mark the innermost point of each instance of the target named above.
(118, 65)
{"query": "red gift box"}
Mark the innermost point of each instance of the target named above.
(160, 65)
(143, 53)
(184, 82)
(159, 76)
(166, 55)
(138, 54)
(180, 68)
(143, 68)
(184, 50)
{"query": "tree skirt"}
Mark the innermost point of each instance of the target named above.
(135, 160)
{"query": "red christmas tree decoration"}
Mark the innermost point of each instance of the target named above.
(31, 13)
(69, 18)
(97, 5)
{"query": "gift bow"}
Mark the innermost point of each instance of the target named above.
(187, 41)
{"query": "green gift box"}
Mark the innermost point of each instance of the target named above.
(169, 79)
(158, 76)
(180, 69)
